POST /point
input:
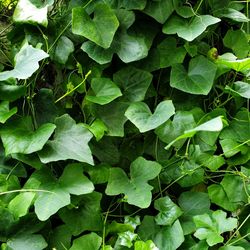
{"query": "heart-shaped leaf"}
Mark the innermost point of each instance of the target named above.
(19, 136)
(89, 241)
(27, 12)
(140, 115)
(199, 78)
(105, 91)
(5, 112)
(101, 29)
(136, 190)
(187, 29)
(70, 142)
(26, 63)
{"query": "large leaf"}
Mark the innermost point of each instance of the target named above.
(186, 29)
(26, 241)
(70, 142)
(136, 189)
(197, 80)
(101, 29)
(160, 10)
(140, 115)
(26, 63)
(168, 211)
(28, 12)
(105, 91)
(5, 112)
(89, 241)
(133, 82)
(19, 136)
(210, 227)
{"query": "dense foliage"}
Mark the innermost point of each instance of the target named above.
(124, 125)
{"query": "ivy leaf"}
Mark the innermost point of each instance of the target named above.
(140, 115)
(101, 29)
(85, 216)
(89, 241)
(19, 136)
(26, 63)
(231, 61)
(133, 82)
(74, 182)
(27, 241)
(169, 211)
(160, 10)
(27, 12)
(70, 142)
(210, 227)
(199, 78)
(239, 89)
(11, 92)
(213, 125)
(186, 29)
(105, 91)
(148, 245)
(136, 190)
(232, 14)
(5, 112)
(63, 49)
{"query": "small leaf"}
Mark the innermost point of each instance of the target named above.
(169, 211)
(211, 227)
(5, 112)
(27, 12)
(74, 181)
(239, 89)
(101, 29)
(140, 115)
(98, 129)
(136, 189)
(133, 82)
(197, 80)
(26, 63)
(89, 241)
(27, 242)
(70, 142)
(148, 245)
(105, 91)
(19, 137)
(186, 29)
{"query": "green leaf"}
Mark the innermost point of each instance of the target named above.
(213, 125)
(231, 248)
(5, 112)
(97, 128)
(63, 49)
(74, 181)
(132, 4)
(89, 241)
(230, 60)
(210, 227)
(27, 12)
(186, 29)
(169, 237)
(136, 190)
(11, 92)
(160, 10)
(193, 203)
(239, 89)
(60, 238)
(70, 142)
(105, 91)
(19, 136)
(237, 41)
(168, 211)
(140, 115)
(148, 245)
(232, 14)
(26, 241)
(19, 206)
(26, 63)
(85, 215)
(133, 82)
(199, 78)
(101, 29)
(51, 200)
